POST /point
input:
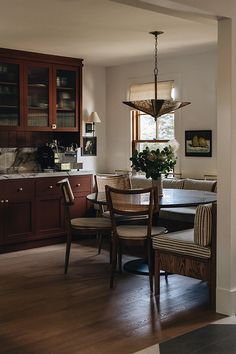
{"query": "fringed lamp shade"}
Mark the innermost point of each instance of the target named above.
(156, 108)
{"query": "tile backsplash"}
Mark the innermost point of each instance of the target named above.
(18, 160)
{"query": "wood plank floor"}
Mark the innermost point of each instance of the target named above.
(42, 311)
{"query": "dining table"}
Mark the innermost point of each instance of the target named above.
(171, 198)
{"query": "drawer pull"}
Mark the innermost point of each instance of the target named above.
(50, 187)
(20, 189)
(2, 201)
(77, 185)
(6, 200)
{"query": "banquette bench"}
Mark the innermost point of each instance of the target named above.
(177, 218)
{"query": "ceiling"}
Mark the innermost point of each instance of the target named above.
(103, 32)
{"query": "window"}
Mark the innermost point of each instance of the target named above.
(145, 130)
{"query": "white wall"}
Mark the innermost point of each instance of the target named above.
(94, 99)
(195, 80)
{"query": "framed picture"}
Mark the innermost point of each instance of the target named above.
(198, 143)
(89, 146)
(89, 128)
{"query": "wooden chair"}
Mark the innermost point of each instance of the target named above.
(120, 181)
(190, 252)
(80, 226)
(129, 203)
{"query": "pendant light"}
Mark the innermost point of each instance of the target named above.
(156, 107)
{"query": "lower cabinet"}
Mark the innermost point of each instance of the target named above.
(49, 208)
(17, 211)
(81, 186)
(31, 210)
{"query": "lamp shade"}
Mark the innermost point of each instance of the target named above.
(156, 107)
(93, 118)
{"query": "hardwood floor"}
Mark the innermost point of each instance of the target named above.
(42, 311)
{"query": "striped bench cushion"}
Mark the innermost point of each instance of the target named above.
(181, 242)
(203, 225)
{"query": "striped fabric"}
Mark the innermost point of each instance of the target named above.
(181, 242)
(203, 225)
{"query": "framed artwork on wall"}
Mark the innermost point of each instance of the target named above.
(89, 146)
(198, 143)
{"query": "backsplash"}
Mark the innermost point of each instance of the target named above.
(18, 160)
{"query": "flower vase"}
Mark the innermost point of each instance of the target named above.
(158, 183)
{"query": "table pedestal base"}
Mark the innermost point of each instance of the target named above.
(138, 266)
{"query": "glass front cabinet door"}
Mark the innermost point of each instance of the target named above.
(67, 93)
(10, 94)
(38, 94)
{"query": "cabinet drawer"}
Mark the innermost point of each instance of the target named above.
(81, 184)
(18, 188)
(47, 186)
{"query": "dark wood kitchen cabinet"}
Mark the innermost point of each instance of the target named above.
(32, 211)
(49, 208)
(81, 187)
(17, 211)
(40, 92)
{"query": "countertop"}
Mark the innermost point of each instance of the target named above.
(44, 174)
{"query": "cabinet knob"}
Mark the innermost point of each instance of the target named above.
(50, 187)
(77, 185)
(2, 200)
(6, 200)
(20, 189)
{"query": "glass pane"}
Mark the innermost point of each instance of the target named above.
(166, 127)
(38, 97)
(66, 98)
(9, 94)
(151, 145)
(147, 127)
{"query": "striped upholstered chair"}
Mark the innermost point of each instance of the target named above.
(190, 252)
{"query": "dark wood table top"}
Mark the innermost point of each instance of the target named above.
(170, 198)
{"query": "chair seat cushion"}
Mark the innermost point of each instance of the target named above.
(137, 232)
(91, 223)
(181, 242)
(186, 214)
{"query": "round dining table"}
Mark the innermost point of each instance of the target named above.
(172, 198)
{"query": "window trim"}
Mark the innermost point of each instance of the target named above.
(136, 131)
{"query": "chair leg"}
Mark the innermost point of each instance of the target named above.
(67, 256)
(157, 273)
(150, 265)
(110, 250)
(120, 257)
(114, 261)
(212, 287)
(99, 237)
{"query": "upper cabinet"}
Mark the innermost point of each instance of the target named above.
(40, 92)
(66, 98)
(10, 92)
